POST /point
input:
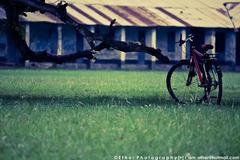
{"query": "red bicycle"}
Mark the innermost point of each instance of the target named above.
(198, 79)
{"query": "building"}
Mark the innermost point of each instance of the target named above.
(156, 23)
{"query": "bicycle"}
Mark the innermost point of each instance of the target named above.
(196, 79)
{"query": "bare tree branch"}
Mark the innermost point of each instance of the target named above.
(14, 8)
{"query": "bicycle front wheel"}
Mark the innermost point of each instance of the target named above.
(177, 85)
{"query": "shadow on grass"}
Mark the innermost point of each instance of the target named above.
(86, 100)
(100, 100)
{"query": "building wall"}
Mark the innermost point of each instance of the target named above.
(46, 36)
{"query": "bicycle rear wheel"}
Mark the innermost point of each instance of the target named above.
(182, 92)
(214, 84)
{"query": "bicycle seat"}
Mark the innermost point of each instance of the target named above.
(206, 47)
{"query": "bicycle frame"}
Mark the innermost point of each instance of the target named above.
(195, 57)
(194, 60)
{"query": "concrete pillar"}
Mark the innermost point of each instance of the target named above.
(151, 41)
(120, 34)
(210, 38)
(27, 34)
(180, 52)
(59, 40)
(85, 43)
(230, 47)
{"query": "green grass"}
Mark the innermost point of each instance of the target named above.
(62, 114)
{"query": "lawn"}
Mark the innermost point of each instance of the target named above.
(63, 114)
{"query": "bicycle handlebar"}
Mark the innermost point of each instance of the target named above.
(189, 38)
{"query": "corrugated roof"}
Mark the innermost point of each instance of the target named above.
(197, 13)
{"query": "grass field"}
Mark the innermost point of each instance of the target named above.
(62, 114)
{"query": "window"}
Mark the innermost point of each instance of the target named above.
(220, 42)
(171, 41)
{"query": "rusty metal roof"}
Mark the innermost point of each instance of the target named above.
(196, 13)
